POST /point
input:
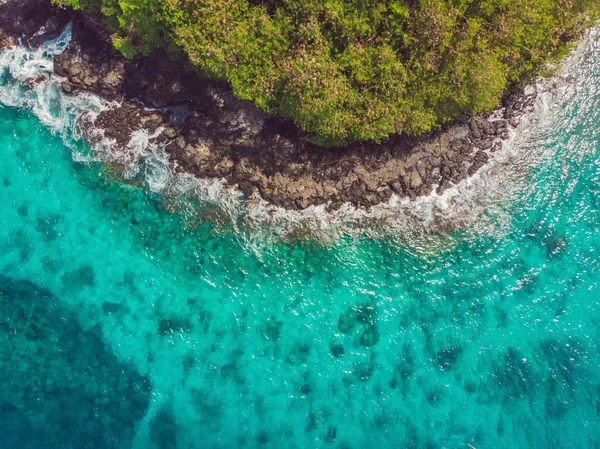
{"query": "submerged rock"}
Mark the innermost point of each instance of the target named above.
(299, 354)
(370, 336)
(446, 358)
(111, 307)
(364, 371)
(273, 329)
(366, 314)
(556, 245)
(163, 430)
(331, 434)
(69, 389)
(347, 322)
(80, 278)
(167, 326)
(337, 350)
(262, 437)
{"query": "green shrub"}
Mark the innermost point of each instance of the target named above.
(125, 46)
(347, 70)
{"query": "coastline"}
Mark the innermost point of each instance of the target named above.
(210, 134)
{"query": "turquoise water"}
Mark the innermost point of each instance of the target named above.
(130, 319)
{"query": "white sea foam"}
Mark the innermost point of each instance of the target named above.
(27, 81)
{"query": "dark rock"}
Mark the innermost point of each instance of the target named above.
(173, 325)
(475, 131)
(273, 329)
(447, 358)
(65, 86)
(111, 307)
(188, 362)
(556, 245)
(80, 278)
(337, 350)
(331, 434)
(479, 160)
(89, 81)
(262, 437)
(366, 314)
(299, 354)
(414, 180)
(63, 376)
(205, 318)
(21, 20)
(370, 336)
(306, 389)
(23, 210)
(347, 322)
(312, 421)
(163, 430)
(229, 370)
(364, 371)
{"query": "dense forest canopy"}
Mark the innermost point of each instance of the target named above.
(347, 70)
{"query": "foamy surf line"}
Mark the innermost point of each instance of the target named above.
(28, 81)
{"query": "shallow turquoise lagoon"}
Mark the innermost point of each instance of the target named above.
(128, 319)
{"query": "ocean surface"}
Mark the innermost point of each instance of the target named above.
(143, 309)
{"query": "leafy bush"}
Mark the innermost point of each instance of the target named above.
(125, 46)
(347, 70)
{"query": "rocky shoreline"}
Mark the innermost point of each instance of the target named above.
(211, 134)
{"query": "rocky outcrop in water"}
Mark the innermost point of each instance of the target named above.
(211, 134)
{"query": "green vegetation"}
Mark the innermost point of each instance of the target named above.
(347, 70)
